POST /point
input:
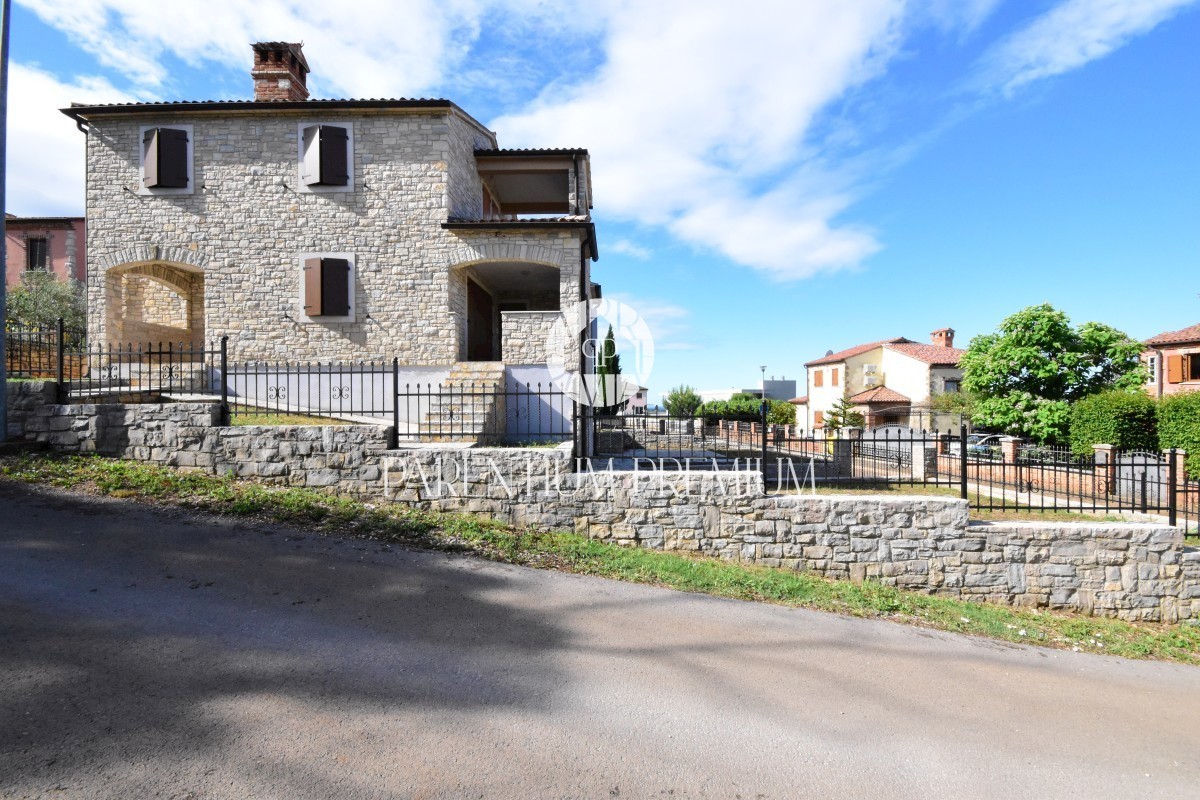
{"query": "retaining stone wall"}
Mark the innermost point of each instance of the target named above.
(1130, 571)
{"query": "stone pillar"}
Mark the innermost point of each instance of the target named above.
(1009, 446)
(1104, 478)
(843, 450)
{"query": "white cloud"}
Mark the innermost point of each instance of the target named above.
(1069, 36)
(626, 247)
(45, 151)
(668, 322)
(697, 122)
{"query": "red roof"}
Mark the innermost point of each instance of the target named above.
(799, 401)
(932, 354)
(880, 394)
(1184, 336)
(835, 358)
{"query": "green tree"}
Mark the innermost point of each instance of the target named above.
(608, 371)
(1126, 420)
(682, 401)
(1027, 373)
(41, 298)
(843, 415)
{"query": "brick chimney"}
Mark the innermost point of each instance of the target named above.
(279, 71)
(943, 337)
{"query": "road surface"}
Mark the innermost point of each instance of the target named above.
(148, 653)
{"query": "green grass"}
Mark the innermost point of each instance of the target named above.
(322, 512)
(240, 417)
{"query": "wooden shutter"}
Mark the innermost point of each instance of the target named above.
(818, 418)
(335, 287)
(312, 287)
(165, 158)
(150, 158)
(334, 162)
(1174, 369)
(311, 165)
(818, 378)
(834, 377)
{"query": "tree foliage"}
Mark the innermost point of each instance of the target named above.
(1125, 420)
(1026, 374)
(608, 372)
(41, 298)
(682, 401)
(843, 415)
(748, 407)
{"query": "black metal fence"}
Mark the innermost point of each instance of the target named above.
(42, 352)
(1005, 478)
(479, 411)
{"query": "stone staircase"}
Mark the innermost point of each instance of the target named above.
(470, 408)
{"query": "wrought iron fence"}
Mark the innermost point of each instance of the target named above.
(484, 413)
(40, 352)
(271, 392)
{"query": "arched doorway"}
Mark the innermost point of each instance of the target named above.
(155, 302)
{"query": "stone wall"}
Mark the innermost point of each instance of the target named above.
(525, 336)
(1131, 571)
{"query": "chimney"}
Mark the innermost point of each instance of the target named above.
(279, 71)
(943, 337)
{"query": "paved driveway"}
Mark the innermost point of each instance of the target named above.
(146, 654)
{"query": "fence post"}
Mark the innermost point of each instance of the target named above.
(1172, 496)
(61, 347)
(394, 441)
(762, 465)
(962, 461)
(224, 380)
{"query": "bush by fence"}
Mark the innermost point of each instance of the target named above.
(1123, 419)
(1179, 427)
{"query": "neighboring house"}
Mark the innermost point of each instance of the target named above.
(56, 245)
(889, 381)
(1172, 362)
(333, 230)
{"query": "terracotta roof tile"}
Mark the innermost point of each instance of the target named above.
(834, 358)
(880, 394)
(1190, 334)
(932, 354)
(799, 401)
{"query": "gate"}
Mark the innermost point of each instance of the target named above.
(1142, 479)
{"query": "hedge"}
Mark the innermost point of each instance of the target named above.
(1123, 419)
(1179, 427)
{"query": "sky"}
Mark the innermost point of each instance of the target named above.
(772, 180)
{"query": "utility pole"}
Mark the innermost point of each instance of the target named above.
(5, 9)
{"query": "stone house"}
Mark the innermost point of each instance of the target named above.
(889, 381)
(56, 245)
(1172, 362)
(332, 230)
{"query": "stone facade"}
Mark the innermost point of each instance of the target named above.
(235, 239)
(526, 336)
(1130, 571)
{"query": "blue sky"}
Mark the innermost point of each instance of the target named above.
(772, 180)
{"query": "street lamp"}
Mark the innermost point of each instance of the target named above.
(763, 386)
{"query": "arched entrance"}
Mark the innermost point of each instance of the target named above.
(501, 304)
(155, 302)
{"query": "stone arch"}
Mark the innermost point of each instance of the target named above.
(154, 301)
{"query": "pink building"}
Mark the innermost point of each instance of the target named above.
(45, 244)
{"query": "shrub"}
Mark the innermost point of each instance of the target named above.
(1125, 420)
(682, 401)
(748, 407)
(41, 298)
(1179, 427)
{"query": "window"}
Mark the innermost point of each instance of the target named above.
(1185, 367)
(327, 287)
(1152, 369)
(166, 158)
(818, 419)
(326, 161)
(950, 385)
(37, 254)
(833, 377)
(818, 378)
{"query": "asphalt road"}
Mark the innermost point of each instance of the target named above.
(148, 654)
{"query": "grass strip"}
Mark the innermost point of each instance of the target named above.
(321, 511)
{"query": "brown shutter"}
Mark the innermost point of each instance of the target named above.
(1174, 369)
(335, 287)
(334, 163)
(818, 418)
(834, 381)
(150, 158)
(312, 287)
(172, 158)
(818, 378)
